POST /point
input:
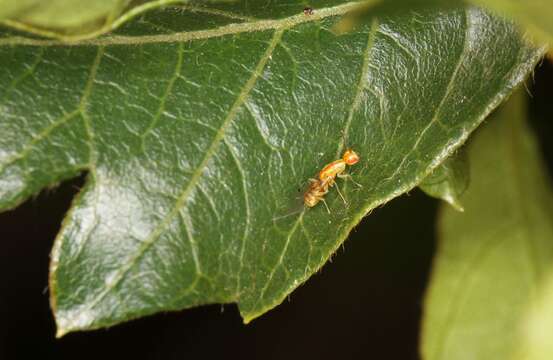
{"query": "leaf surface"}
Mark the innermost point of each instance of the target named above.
(493, 258)
(535, 15)
(198, 128)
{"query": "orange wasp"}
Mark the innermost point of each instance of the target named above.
(318, 188)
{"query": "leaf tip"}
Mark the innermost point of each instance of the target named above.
(455, 204)
(77, 319)
(61, 332)
(62, 326)
(249, 317)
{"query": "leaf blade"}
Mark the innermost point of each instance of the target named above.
(189, 148)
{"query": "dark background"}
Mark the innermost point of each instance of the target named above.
(366, 303)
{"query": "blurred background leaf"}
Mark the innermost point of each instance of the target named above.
(493, 258)
(537, 325)
(61, 17)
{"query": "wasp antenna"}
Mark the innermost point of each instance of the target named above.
(288, 215)
(344, 139)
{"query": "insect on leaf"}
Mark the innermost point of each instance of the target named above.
(197, 126)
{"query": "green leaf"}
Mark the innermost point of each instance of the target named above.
(62, 17)
(73, 20)
(537, 325)
(12, 8)
(535, 15)
(491, 258)
(449, 180)
(196, 133)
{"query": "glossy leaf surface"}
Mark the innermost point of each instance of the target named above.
(198, 128)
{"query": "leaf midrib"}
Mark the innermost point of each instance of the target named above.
(450, 149)
(185, 36)
(190, 186)
(124, 18)
(369, 206)
(361, 85)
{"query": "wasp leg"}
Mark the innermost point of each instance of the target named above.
(349, 177)
(340, 193)
(289, 214)
(326, 206)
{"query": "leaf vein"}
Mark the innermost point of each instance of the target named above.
(193, 243)
(280, 260)
(247, 227)
(231, 29)
(157, 231)
(38, 138)
(166, 94)
(361, 85)
(43, 134)
(83, 110)
(449, 88)
(29, 71)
